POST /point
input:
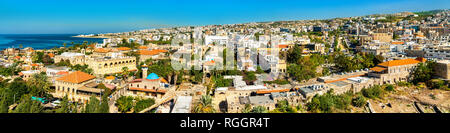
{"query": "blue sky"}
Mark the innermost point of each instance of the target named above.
(99, 16)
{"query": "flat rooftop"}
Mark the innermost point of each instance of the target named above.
(183, 104)
(340, 83)
(259, 100)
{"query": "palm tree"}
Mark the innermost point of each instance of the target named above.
(40, 83)
(205, 105)
(247, 109)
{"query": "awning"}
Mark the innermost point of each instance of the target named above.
(378, 69)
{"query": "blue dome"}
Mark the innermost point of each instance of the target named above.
(152, 76)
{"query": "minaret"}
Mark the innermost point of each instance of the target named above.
(144, 71)
(357, 29)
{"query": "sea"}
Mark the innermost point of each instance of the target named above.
(42, 41)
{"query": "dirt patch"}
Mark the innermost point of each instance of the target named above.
(402, 100)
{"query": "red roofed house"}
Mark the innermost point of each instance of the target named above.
(51, 55)
(77, 86)
(124, 48)
(283, 47)
(395, 70)
(154, 54)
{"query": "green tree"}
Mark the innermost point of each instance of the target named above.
(4, 105)
(423, 72)
(259, 70)
(330, 102)
(39, 84)
(259, 109)
(16, 90)
(28, 106)
(104, 107)
(294, 54)
(38, 57)
(142, 104)
(437, 84)
(124, 104)
(106, 90)
(65, 106)
(284, 107)
(359, 101)
(205, 105)
(93, 106)
(249, 77)
(373, 92)
(247, 108)
(125, 72)
(389, 87)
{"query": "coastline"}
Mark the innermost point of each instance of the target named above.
(44, 41)
(78, 36)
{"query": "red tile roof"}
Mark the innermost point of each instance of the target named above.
(151, 52)
(110, 78)
(51, 55)
(398, 43)
(378, 69)
(76, 77)
(283, 46)
(124, 48)
(399, 62)
(102, 50)
(143, 47)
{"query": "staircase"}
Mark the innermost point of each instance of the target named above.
(170, 94)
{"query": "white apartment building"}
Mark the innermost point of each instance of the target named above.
(437, 52)
(219, 40)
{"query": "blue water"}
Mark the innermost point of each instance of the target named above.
(41, 41)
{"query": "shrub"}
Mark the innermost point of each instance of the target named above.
(389, 87)
(437, 84)
(328, 102)
(142, 104)
(373, 92)
(359, 101)
(403, 83)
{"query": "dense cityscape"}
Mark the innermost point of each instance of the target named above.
(380, 63)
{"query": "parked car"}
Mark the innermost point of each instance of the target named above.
(56, 103)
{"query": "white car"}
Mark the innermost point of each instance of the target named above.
(56, 103)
